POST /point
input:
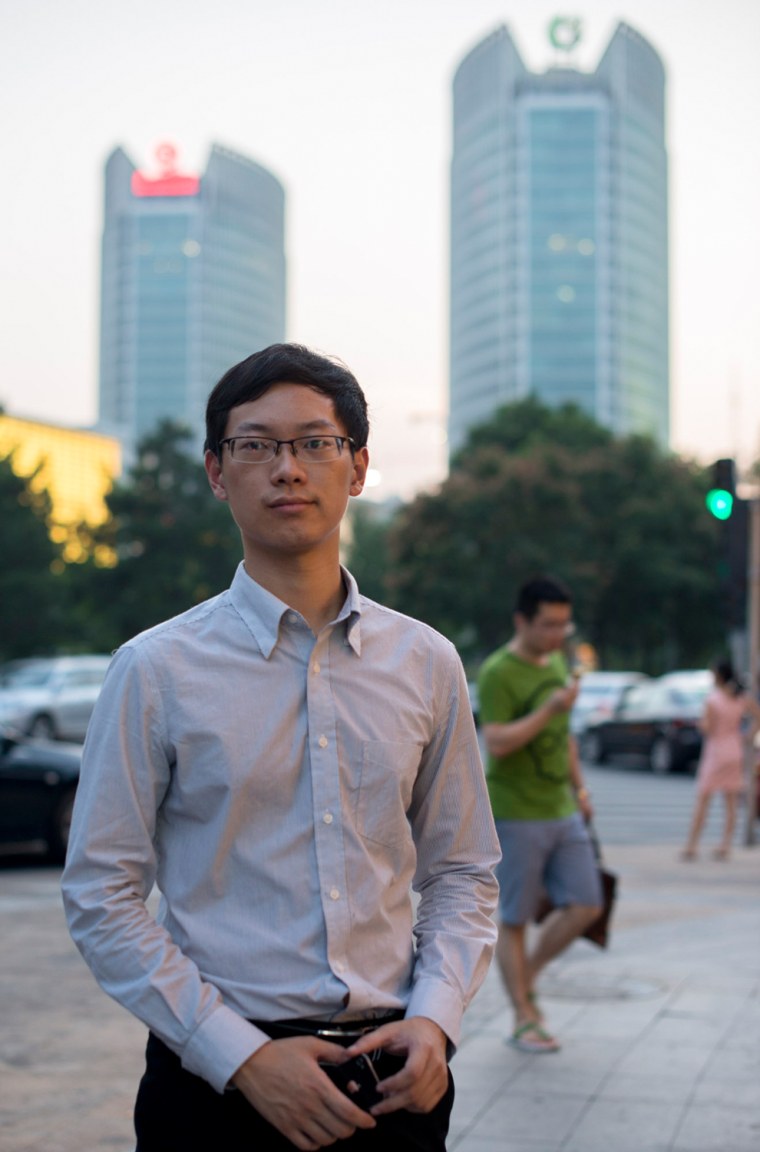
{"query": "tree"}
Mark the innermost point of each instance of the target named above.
(547, 490)
(174, 545)
(29, 589)
(368, 548)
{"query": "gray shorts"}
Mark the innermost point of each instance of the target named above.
(555, 856)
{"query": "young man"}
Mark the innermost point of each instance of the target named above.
(538, 798)
(285, 762)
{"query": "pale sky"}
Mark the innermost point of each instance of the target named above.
(349, 104)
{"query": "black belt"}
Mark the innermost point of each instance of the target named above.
(338, 1031)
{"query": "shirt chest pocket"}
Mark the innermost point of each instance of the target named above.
(388, 773)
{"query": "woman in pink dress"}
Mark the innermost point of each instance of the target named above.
(721, 766)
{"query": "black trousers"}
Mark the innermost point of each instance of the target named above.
(176, 1111)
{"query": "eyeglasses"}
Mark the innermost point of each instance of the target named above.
(558, 626)
(310, 449)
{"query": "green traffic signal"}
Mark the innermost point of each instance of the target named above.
(720, 503)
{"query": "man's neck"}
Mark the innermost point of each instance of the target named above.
(310, 585)
(518, 648)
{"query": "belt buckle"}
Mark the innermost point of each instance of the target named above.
(344, 1033)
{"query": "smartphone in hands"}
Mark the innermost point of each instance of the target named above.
(358, 1079)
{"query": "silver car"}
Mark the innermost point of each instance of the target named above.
(51, 697)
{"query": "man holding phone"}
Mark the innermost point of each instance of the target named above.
(539, 799)
(286, 762)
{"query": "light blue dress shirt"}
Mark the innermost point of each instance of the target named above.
(284, 792)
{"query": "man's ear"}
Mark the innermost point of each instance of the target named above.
(359, 475)
(215, 476)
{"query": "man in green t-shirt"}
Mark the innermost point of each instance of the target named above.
(539, 800)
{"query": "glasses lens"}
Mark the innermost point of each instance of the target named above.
(318, 448)
(253, 450)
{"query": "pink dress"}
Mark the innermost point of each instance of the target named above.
(721, 766)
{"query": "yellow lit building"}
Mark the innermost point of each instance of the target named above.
(77, 468)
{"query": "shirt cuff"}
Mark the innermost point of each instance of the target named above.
(441, 1004)
(220, 1045)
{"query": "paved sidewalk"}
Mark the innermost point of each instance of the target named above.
(660, 1034)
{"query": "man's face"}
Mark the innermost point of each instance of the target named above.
(285, 506)
(548, 629)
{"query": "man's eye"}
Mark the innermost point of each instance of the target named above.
(253, 445)
(317, 443)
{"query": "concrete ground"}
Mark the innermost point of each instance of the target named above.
(660, 1034)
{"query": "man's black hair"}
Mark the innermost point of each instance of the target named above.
(541, 590)
(287, 364)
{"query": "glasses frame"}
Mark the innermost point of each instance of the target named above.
(340, 441)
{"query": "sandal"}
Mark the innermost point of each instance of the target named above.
(531, 1037)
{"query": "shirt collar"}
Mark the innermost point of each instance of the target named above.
(262, 611)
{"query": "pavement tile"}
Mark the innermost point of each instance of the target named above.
(671, 1061)
(648, 1089)
(625, 1126)
(538, 1116)
(714, 1129)
(741, 1093)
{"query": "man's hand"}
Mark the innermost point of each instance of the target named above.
(563, 699)
(424, 1078)
(285, 1084)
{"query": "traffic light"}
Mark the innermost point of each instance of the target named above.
(720, 498)
(723, 503)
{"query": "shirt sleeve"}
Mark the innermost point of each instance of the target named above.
(109, 875)
(457, 851)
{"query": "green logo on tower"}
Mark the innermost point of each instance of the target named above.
(565, 32)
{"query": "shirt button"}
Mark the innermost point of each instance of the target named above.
(322, 741)
(334, 894)
(340, 967)
(292, 617)
(328, 819)
(315, 668)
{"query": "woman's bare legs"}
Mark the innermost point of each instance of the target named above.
(697, 824)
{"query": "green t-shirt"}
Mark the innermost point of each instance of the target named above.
(532, 783)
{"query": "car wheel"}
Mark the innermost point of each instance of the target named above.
(591, 748)
(60, 827)
(42, 727)
(661, 759)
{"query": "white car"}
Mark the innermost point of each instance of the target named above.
(53, 697)
(599, 695)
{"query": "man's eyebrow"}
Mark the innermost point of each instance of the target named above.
(266, 429)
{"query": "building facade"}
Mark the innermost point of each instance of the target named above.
(559, 237)
(76, 467)
(193, 280)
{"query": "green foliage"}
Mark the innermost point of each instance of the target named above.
(29, 589)
(547, 490)
(174, 544)
(368, 549)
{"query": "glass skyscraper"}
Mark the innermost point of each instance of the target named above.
(559, 245)
(193, 280)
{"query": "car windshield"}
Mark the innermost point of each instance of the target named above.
(26, 676)
(688, 697)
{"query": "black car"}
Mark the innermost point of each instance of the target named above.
(38, 781)
(657, 720)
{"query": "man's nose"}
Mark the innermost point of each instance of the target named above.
(286, 464)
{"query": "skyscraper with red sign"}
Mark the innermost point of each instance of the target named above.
(193, 280)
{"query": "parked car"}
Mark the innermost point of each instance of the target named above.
(38, 781)
(51, 697)
(599, 695)
(656, 719)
